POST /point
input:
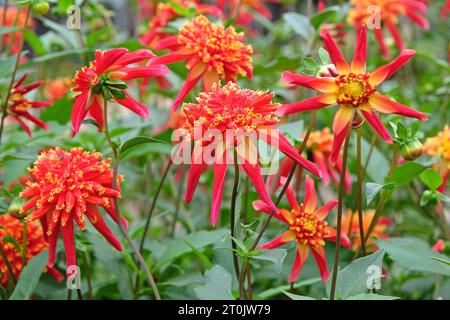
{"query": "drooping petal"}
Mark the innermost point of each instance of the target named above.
(69, 243)
(417, 18)
(376, 124)
(395, 34)
(98, 222)
(301, 254)
(260, 205)
(358, 64)
(385, 104)
(79, 111)
(190, 83)
(321, 260)
(335, 52)
(380, 39)
(220, 171)
(145, 72)
(171, 58)
(338, 141)
(137, 107)
(282, 239)
(194, 173)
(319, 84)
(96, 111)
(385, 72)
(322, 101)
(342, 118)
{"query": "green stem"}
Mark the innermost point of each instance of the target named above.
(339, 216)
(359, 189)
(233, 214)
(8, 266)
(135, 249)
(24, 243)
(178, 203)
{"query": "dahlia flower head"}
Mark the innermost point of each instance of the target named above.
(353, 89)
(307, 228)
(70, 186)
(439, 147)
(106, 79)
(20, 107)
(364, 11)
(211, 51)
(14, 228)
(350, 225)
(235, 118)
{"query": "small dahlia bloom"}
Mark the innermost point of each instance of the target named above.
(13, 17)
(70, 186)
(12, 227)
(439, 246)
(307, 228)
(354, 90)
(350, 225)
(363, 13)
(55, 89)
(19, 106)
(109, 71)
(212, 52)
(439, 147)
(244, 113)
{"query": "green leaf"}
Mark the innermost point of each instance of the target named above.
(309, 65)
(217, 285)
(35, 42)
(372, 189)
(300, 24)
(444, 261)
(402, 131)
(354, 278)
(7, 65)
(9, 239)
(297, 297)
(324, 56)
(406, 172)
(431, 178)
(133, 142)
(276, 256)
(413, 254)
(269, 293)
(59, 112)
(427, 197)
(371, 296)
(328, 15)
(29, 277)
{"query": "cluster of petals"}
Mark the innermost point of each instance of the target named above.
(439, 147)
(68, 186)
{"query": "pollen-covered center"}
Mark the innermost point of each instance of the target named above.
(308, 229)
(354, 89)
(221, 49)
(230, 107)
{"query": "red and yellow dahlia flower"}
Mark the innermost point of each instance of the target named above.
(19, 106)
(109, 71)
(307, 227)
(353, 89)
(241, 112)
(212, 52)
(350, 225)
(70, 185)
(11, 226)
(362, 13)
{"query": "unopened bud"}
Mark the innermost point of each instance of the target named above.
(15, 209)
(411, 149)
(327, 71)
(41, 8)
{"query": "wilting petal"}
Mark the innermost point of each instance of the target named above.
(385, 72)
(52, 243)
(282, 239)
(69, 243)
(335, 53)
(323, 211)
(358, 64)
(376, 124)
(98, 222)
(79, 111)
(220, 171)
(314, 103)
(387, 105)
(135, 106)
(301, 254)
(319, 84)
(321, 260)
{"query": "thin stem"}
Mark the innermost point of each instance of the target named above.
(88, 275)
(8, 266)
(155, 200)
(12, 80)
(233, 214)
(369, 154)
(69, 294)
(178, 203)
(135, 249)
(339, 216)
(359, 189)
(80, 295)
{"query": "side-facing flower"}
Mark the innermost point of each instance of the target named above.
(212, 52)
(70, 185)
(13, 228)
(19, 106)
(350, 225)
(353, 89)
(307, 228)
(55, 89)
(226, 122)
(387, 13)
(439, 147)
(106, 78)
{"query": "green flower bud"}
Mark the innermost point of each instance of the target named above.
(41, 8)
(411, 149)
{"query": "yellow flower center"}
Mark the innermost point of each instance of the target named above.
(308, 229)
(354, 89)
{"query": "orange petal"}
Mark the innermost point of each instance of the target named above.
(299, 261)
(385, 72)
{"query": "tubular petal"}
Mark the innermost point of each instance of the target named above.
(321, 260)
(377, 125)
(358, 64)
(319, 84)
(314, 103)
(385, 104)
(220, 171)
(323, 211)
(282, 239)
(335, 52)
(385, 72)
(301, 254)
(310, 195)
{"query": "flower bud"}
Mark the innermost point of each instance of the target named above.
(15, 209)
(327, 71)
(411, 149)
(40, 8)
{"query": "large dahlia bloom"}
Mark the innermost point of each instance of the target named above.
(212, 52)
(12, 227)
(230, 119)
(69, 186)
(439, 147)
(353, 90)
(362, 13)
(107, 76)
(350, 225)
(19, 106)
(307, 227)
